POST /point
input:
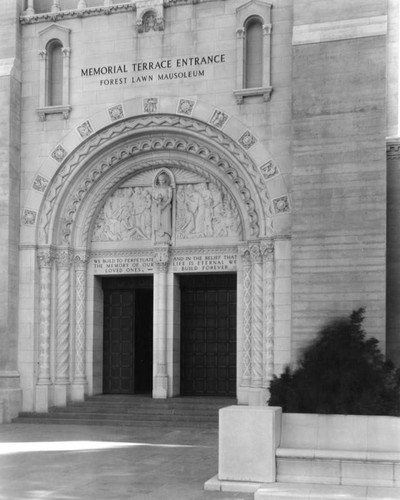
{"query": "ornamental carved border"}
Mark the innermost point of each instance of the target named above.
(127, 171)
(165, 123)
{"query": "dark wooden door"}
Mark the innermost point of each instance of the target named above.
(128, 336)
(208, 335)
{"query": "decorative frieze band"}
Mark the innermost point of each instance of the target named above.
(56, 14)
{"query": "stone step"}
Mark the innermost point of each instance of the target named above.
(134, 410)
(138, 411)
(163, 416)
(114, 422)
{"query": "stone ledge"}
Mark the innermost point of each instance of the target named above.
(214, 484)
(370, 456)
(290, 491)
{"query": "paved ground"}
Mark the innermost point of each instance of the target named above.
(70, 462)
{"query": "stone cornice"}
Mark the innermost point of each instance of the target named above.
(96, 11)
(393, 148)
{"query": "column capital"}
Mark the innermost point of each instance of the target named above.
(161, 257)
(66, 52)
(63, 258)
(255, 252)
(267, 249)
(45, 257)
(81, 260)
(240, 33)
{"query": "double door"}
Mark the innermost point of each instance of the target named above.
(128, 335)
(208, 335)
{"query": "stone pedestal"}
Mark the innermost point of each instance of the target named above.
(60, 395)
(42, 398)
(248, 438)
(160, 389)
(78, 392)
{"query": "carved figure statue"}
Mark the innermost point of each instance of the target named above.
(162, 213)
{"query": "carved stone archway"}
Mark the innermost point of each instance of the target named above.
(70, 206)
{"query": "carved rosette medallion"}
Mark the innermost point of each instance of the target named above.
(247, 140)
(40, 183)
(59, 153)
(85, 129)
(116, 112)
(29, 217)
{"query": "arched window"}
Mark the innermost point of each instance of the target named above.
(54, 80)
(54, 54)
(253, 54)
(253, 50)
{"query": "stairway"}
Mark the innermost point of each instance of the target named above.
(135, 410)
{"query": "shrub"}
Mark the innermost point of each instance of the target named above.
(340, 372)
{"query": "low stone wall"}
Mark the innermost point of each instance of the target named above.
(262, 445)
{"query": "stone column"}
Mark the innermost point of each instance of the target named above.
(46, 257)
(240, 36)
(30, 11)
(79, 383)
(63, 261)
(66, 52)
(245, 368)
(267, 250)
(267, 30)
(42, 80)
(56, 6)
(161, 263)
(257, 326)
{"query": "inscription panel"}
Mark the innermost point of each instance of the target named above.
(122, 265)
(201, 263)
(180, 263)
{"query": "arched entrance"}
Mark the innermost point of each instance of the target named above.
(159, 196)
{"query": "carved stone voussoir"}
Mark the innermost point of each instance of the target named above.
(136, 147)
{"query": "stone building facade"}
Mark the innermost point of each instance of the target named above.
(190, 189)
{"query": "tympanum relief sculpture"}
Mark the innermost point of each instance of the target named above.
(205, 211)
(126, 215)
(199, 210)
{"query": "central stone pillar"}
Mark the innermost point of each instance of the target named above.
(161, 263)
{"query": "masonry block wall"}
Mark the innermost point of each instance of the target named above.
(339, 164)
(10, 98)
